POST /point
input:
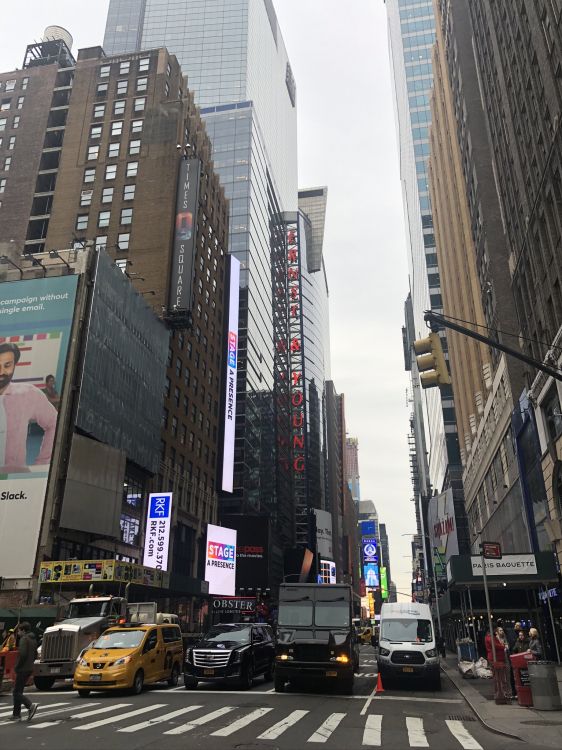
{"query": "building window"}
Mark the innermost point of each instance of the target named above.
(7, 163)
(21, 100)
(12, 143)
(140, 104)
(99, 111)
(132, 168)
(24, 83)
(122, 87)
(101, 241)
(144, 64)
(168, 69)
(93, 153)
(16, 122)
(103, 218)
(116, 128)
(119, 107)
(5, 105)
(136, 126)
(123, 241)
(107, 195)
(86, 197)
(89, 175)
(101, 89)
(177, 396)
(113, 150)
(126, 216)
(95, 131)
(121, 264)
(2, 184)
(124, 68)
(178, 367)
(134, 147)
(81, 222)
(111, 172)
(167, 89)
(142, 84)
(105, 70)
(128, 192)
(3, 121)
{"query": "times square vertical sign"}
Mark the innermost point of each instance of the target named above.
(297, 382)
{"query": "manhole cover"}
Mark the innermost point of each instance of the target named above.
(460, 717)
(538, 723)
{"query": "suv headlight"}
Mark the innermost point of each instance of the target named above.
(123, 660)
(284, 657)
(383, 651)
(432, 653)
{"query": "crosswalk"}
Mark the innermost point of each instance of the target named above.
(226, 721)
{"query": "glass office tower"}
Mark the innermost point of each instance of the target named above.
(233, 54)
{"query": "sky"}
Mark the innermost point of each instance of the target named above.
(347, 141)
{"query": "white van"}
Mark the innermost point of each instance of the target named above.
(407, 646)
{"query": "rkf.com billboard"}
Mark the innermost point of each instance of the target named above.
(35, 324)
(231, 374)
(220, 560)
(158, 526)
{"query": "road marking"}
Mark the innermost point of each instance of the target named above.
(416, 734)
(288, 694)
(42, 714)
(366, 674)
(412, 699)
(51, 705)
(324, 732)
(241, 723)
(159, 719)
(372, 732)
(368, 702)
(176, 689)
(82, 715)
(459, 731)
(120, 717)
(271, 691)
(201, 720)
(277, 729)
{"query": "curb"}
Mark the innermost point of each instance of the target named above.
(475, 710)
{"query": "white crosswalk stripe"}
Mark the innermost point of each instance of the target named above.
(459, 731)
(201, 720)
(241, 723)
(416, 733)
(277, 729)
(325, 731)
(159, 719)
(120, 717)
(372, 732)
(81, 715)
(4, 714)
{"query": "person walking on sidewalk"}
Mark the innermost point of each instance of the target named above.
(24, 669)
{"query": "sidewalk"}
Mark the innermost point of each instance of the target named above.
(525, 724)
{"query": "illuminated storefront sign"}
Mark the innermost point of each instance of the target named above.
(158, 526)
(231, 371)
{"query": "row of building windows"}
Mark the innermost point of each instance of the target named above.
(113, 150)
(122, 87)
(119, 107)
(104, 217)
(12, 83)
(10, 143)
(116, 128)
(132, 169)
(4, 123)
(6, 104)
(107, 195)
(125, 67)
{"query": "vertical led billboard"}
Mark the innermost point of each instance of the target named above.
(231, 372)
(220, 560)
(157, 535)
(35, 324)
(384, 583)
(181, 277)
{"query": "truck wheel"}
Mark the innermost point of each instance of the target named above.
(175, 676)
(84, 693)
(138, 683)
(279, 684)
(43, 683)
(247, 679)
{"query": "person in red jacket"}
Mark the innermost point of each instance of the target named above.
(500, 648)
(502, 692)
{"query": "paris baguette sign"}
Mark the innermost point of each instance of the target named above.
(508, 565)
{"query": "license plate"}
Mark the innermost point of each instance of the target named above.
(331, 674)
(95, 678)
(407, 669)
(55, 670)
(209, 672)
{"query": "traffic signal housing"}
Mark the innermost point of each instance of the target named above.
(431, 362)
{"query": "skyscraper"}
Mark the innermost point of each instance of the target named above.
(234, 57)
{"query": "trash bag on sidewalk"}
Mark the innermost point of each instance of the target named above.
(467, 669)
(482, 669)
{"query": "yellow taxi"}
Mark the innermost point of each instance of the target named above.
(130, 656)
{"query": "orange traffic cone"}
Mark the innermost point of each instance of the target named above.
(379, 688)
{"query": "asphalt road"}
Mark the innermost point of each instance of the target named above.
(215, 718)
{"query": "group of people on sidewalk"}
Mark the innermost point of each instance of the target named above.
(519, 642)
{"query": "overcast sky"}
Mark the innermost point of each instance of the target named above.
(347, 141)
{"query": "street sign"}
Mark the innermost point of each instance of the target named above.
(491, 551)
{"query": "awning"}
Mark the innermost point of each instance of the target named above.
(526, 570)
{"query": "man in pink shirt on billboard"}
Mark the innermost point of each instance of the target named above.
(20, 405)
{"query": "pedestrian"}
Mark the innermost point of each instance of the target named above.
(24, 669)
(521, 645)
(535, 647)
(8, 640)
(500, 648)
(502, 692)
(441, 646)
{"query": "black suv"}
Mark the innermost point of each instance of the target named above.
(235, 652)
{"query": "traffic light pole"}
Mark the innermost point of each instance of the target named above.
(436, 319)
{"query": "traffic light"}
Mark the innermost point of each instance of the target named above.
(431, 363)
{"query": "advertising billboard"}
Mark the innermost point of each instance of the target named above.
(368, 528)
(35, 325)
(157, 534)
(441, 524)
(324, 533)
(369, 549)
(220, 560)
(252, 550)
(85, 571)
(384, 583)
(231, 373)
(371, 575)
(181, 277)
(327, 571)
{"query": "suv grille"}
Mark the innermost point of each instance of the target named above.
(58, 646)
(407, 657)
(210, 658)
(312, 652)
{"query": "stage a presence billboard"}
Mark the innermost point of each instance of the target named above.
(35, 325)
(220, 561)
(231, 374)
(181, 277)
(157, 535)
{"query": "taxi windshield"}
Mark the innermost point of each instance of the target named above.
(120, 639)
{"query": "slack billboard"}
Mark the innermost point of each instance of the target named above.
(220, 560)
